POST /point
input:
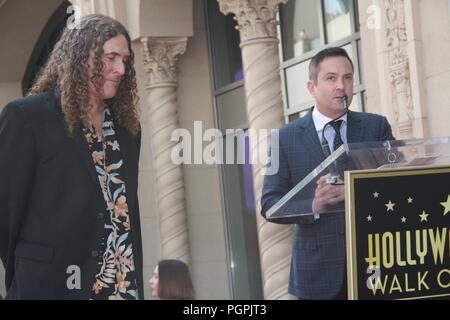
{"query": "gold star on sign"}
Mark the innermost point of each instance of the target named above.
(376, 194)
(423, 216)
(369, 218)
(403, 219)
(390, 206)
(446, 205)
(410, 200)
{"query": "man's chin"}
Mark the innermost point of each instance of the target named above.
(339, 107)
(109, 95)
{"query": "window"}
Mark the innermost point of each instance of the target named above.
(236, 178)
(224, 44)
(337, 19)
(300, 23)
(44, 45)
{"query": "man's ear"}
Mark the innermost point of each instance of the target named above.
(311, 87)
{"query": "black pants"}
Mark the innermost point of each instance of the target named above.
(342, 294)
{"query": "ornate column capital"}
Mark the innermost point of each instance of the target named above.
(255, 18)
(160, 56)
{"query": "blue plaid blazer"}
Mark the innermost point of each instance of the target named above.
(318, 255)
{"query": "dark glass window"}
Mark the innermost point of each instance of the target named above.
(236, 177)
(44, 46)
(226, 53)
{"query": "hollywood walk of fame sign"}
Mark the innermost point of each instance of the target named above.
(398, 233)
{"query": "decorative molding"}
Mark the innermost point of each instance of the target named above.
(255, 18)
(399, 70)
(160, 56)
(402, 97)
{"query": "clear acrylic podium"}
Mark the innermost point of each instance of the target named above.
(297, 203)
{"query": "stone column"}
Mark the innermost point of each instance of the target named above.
(256, 22)
(160, 56)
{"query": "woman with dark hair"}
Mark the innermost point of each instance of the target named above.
(171, 280)
(69, 153)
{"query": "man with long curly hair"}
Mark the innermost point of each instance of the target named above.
(69, 153)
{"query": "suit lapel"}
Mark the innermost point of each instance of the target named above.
(85, 156)
(355, 130)
(81, 146)
(310, 138)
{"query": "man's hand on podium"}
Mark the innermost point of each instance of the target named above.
(327, 194)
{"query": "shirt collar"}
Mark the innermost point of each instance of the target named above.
(320, 120)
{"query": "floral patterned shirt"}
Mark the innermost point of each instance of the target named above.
(116, 274)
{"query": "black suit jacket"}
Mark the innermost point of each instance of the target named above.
(51, 204)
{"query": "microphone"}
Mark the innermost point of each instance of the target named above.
(345, 102)
(325, 145)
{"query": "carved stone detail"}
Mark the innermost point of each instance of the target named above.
(160, 57)
(255, 18)
(399, 71)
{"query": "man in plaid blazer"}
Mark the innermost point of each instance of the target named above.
(318, 256)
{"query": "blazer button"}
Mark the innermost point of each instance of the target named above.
(341, 233)
(100, 215)
(94, 253)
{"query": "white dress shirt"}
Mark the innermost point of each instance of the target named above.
(320, 120)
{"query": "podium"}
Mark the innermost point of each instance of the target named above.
(397, 215)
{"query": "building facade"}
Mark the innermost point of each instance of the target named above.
(241, 65)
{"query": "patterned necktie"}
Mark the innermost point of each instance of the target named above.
(337, 142)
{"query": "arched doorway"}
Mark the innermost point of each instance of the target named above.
(44, 46)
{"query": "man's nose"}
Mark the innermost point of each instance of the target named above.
(120, 68)
(340, 84)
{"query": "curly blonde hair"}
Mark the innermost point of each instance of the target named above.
(67, 73)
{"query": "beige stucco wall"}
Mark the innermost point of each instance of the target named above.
(21, 22)
(434, 35)
(9, 91)
(368, 56)
(428, 44)
(205, 216)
